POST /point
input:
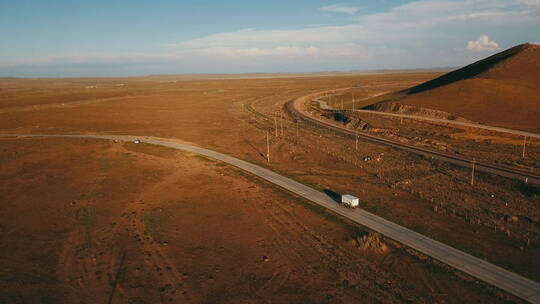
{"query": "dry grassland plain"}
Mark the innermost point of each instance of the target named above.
(82, 219)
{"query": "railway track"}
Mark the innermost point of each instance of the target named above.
(481, 166)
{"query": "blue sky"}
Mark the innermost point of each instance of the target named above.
(57, 38)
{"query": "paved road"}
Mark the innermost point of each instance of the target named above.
(497, 276)
(480, 166)
(324, 105)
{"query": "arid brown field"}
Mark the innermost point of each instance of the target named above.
(86, 221)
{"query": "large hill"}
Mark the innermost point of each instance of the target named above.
(501, 90)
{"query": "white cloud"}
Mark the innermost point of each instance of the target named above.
(483, 44)
(337, 8)
(422, 33)
(280, 51)
(530, 2)
(272, 38)
(408, 30)
(443, 14)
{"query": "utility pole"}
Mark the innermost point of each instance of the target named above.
(267, 146)
(275, 125)
(352, 96)
(281, 115)
(356, 140)
(472, 173)
(524, 145)
(342, 107)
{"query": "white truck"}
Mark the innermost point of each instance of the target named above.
(349, 201)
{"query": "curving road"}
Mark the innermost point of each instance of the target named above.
(324, 105)
(508, 281)
(517, 174)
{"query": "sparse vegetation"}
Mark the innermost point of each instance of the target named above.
(153, 221)
(234, 222)
(86, 217)
(105, 165)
